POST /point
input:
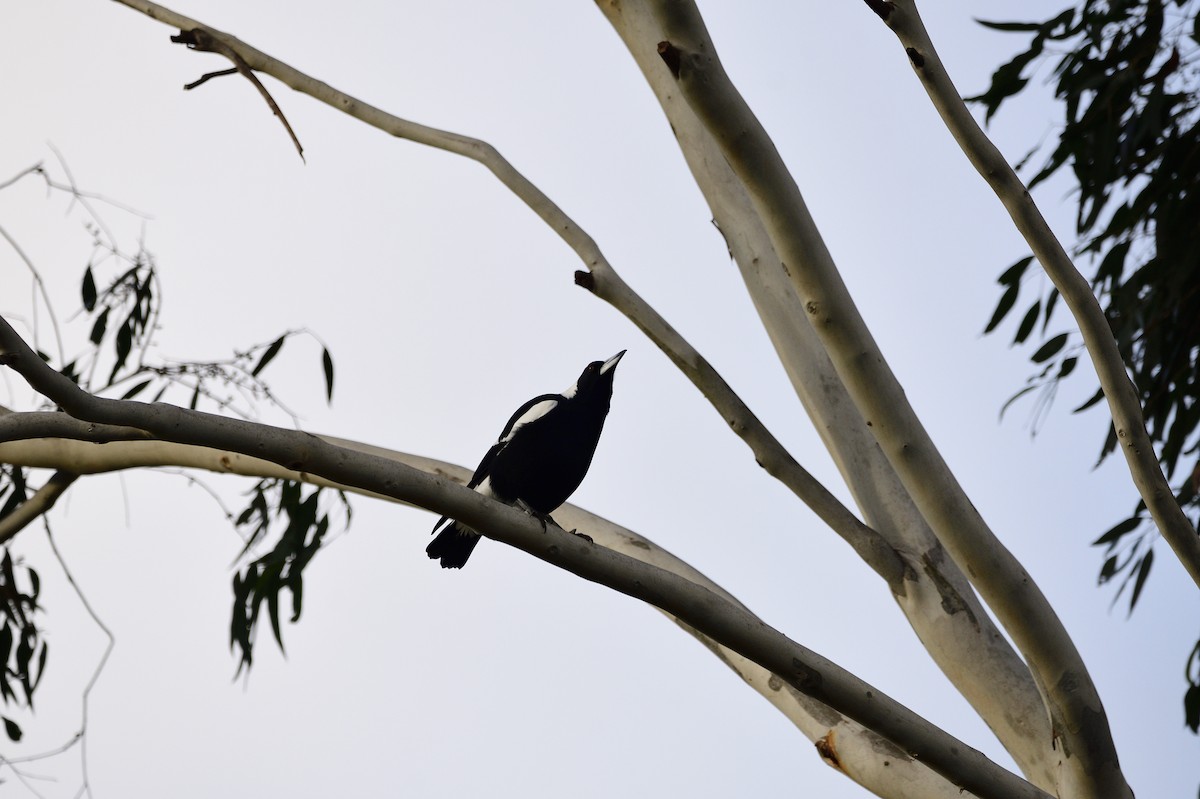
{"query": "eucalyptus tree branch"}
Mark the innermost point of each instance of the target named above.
(1126, 409)
(864, 756)
(42, 501)
(601, 279)
(716, 617)
(937, 598)
(1089, 760)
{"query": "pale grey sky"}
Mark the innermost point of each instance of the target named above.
(425, 276)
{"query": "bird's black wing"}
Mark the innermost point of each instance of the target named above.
(485, 465)
(520, 417)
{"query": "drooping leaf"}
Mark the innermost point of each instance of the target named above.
(124, 347)
(1014, 398)
(273, 612)
(1010, 26)
(297, 596)
(1191, 697)
(1113, 535)
(11, 729)
(1027, 323)
(41, 669)
(1007, 299)
(1113, 262)
(1142, 573)
(1051, 301)
(6, 639)
(89, 289)
(1099, 395)
(1049, 349)
(99, 327)
(327, 365)
(138, 389)
(267, 356)
(1013, 273)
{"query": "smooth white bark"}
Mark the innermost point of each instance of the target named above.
(1088, 764)
(935, 596)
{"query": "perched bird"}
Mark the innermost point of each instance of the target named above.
(541, 458)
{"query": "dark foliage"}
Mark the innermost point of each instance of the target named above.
(305, 524)
(22, 649)
(121, 307)
(1128, 74)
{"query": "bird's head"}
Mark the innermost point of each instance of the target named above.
(596, 380)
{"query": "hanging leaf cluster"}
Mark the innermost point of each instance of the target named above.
(22, 649)
(1128, 75)
(121, 306)
(305, 524)
(123, 318)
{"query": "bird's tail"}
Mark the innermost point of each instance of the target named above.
(453, 545)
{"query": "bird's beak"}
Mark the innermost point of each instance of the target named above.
(611, 362)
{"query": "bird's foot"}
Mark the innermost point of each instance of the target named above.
(585, 537)
(544, 518)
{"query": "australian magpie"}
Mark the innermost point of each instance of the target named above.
(541, 458)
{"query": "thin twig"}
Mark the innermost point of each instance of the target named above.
(41, 288)
(36, 169)
(201, 39)
(87, 691)
(82, 194)
(207, 76)
(20, 775)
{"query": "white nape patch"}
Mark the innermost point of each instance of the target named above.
(572, 391)
(533, 414)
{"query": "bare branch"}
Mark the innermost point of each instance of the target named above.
(81, 736)
(83, 196)
(716, 617)
(1075, 708)
(905, 21)
(36, 169)
(199, 39)
(41, 287)
(207, 76)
